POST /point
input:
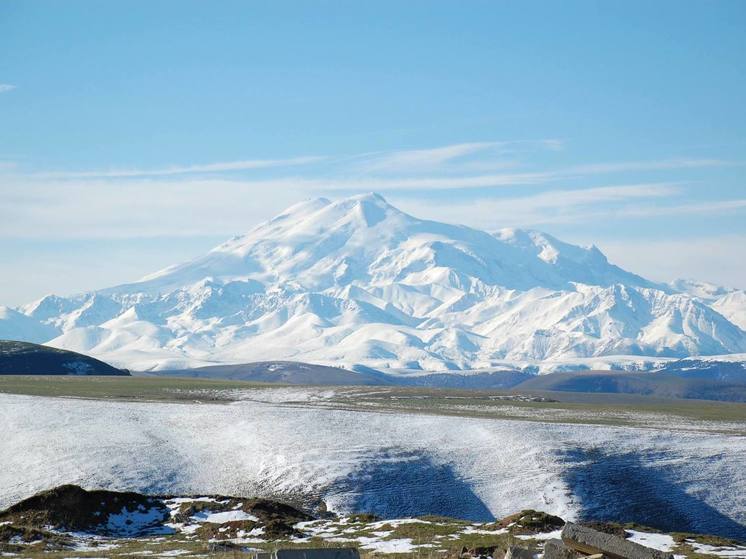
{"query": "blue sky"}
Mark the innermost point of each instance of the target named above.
(134, 135)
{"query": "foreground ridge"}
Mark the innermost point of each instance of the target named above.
(70, 518)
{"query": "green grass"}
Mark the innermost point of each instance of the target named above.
(446, 536)
(124, 388)
(590, 410)
(600, 409)
(421, 533)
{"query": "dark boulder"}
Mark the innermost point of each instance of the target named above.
(590, 542)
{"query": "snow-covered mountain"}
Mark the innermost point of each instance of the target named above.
(15, 325)
(731, 303)
(357, 281)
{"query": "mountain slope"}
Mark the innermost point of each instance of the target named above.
(731, 303)
(18, 326)
(359, 282)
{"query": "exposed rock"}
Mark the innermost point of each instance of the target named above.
(277, 518)
(12, 536)
(110, 513)
(72, 508)
(590, 541)
(267, 510)
(515, 552)
(225, 530)
(556, 549)
(612, 528)
(319, 553)
(493, 551)
(226, 547)
(363, 517)
(531, 522)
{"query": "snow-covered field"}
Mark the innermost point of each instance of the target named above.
(394, 464)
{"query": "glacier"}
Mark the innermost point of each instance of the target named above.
(358, 282)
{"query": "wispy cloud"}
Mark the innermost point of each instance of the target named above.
(629, 166)
(107, 209)
(419, 159)
(389, 184)
(5, 87)
(225, 166)
(164, 200)
(702, 208)
(489, 154)
(471, 165)
(555, 206)
(573, 206)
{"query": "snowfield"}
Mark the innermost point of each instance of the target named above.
(357, 281)
(393, 464)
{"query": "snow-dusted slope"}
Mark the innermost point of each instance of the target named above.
(731, 303)
(17, 326)
(358, 281)
(683, 470)
(733, 307)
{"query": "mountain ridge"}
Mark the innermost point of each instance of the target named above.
(357, 281)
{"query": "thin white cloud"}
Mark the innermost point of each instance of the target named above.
(430, 183)
(556, 206)
(419, 159)
(186, 169)
(661, 165)
(319, 185)
(164, 201)
(553, 144)
(490, 155)
(211, 206)
(5, 87)
(102, 208)
(457, 166)
(577, 206)
(702, 208)
(172, 205)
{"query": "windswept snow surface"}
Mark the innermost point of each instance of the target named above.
(357, 281)
(392, 464)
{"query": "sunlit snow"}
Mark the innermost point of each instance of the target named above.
(359, 282)
(367, 461)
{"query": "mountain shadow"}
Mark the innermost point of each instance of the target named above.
(397, 485)
(630, 488)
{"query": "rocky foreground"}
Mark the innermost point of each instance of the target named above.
(69, 521)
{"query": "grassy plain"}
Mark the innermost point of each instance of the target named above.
(552, 407)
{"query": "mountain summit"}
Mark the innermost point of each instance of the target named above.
(357, 281)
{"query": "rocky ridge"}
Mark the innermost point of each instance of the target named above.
(69, 519)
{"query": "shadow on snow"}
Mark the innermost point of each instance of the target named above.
(638, 488)
(398, 485)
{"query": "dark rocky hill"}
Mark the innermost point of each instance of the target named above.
(23, 358)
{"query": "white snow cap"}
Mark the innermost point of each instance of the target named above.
(357, 281)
